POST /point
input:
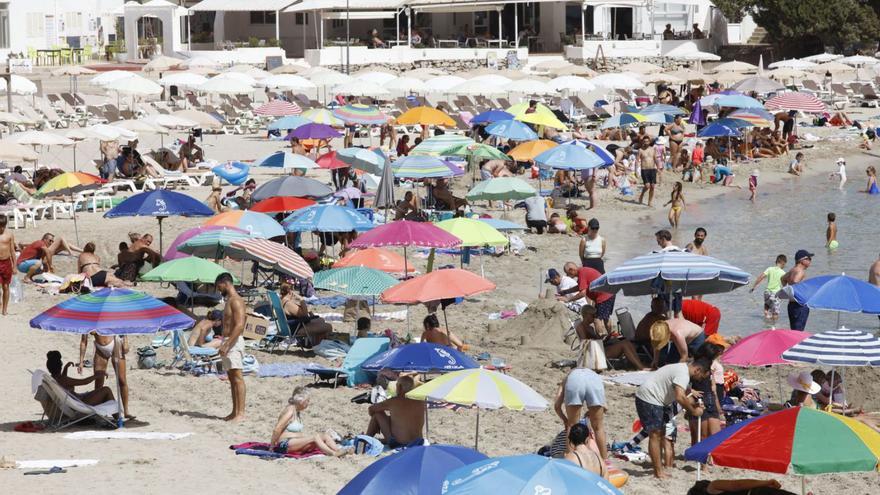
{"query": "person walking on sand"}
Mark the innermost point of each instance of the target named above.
(677, 201)
(581, 388)
(798, 313)
(647, 161)
(831, 233)
(773, 275)
(753, 185)
(7, 254)
(232, 349)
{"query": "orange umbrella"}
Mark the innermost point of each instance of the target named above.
(441, 284)
(376, 258)
(425, 116)
(530, 149)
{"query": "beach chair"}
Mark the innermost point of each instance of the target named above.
(284, 335)
(362, 350)
(628, 330)
(839, 95)
(194, 359)
(63, 409)
(869, 97)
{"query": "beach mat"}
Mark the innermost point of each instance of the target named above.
(264, 451)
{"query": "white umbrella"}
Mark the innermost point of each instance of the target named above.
(791, 64)
(689, 51)
(376, 77)
(424, 73)
(822, 58)
(249, 70)
(14, 118)
(474, 87)
(183, 80)
(135, 86)
(492, 80)
(443, 83)
(225, 86)
(203, 120)
(288, 69)
(360, 88)
(313, 71)
(330, 78)
(172, 121)
(237, 76)
(140, 126)
(530, 87)
(857, 60)
(287, 82)
(199, 62)
(613, 80)
(407, 85)
(689, 75)
(758, 84)
(20, 85)
(40, 138)
(14, 152)
(162, 63)
(735, 66)
(574, 70)
(727, 78)
(110, 76)
(73, 70)
(205, 71)
(833, 67)
(660, 77)
(106, 132)
(571, 83)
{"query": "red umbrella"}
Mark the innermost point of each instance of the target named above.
(278, 108)
(804, 102)
(330, 161)
(280, 204)
(441, 284)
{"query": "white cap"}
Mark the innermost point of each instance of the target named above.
(841, 160)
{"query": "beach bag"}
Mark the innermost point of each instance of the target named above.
(249, 364)
(146, 358)
(516, 244)
(593, 355)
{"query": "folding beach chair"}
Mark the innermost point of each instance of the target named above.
(193, 359)
(628, 330)
(63, 409)
(362, 350)
(284, 334)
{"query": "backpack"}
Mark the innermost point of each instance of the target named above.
(146, 358)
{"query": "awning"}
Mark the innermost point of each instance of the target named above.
(464, 5)
(240, 5)
(309, 5)
(360, 14)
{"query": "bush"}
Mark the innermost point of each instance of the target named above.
(253, 42)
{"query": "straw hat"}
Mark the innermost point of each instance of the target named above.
(659, 335)
(802, 381)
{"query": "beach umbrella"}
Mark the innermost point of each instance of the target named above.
(671, 271)
(501, 189)
(171, 121)
(357, 87)
(478, 150)
(664, 109)
(354, 281)
(369, 160)
(239, 77)
(716, 129)
(571, 83)
(839, 293)
(764, 348)
(798, 101)
(859, 60)
(287, 69)
(203, 119)
(530, 149)
(274, 255)
(406, 233)
(190, 269)
(757, 84)
(135, 86)
(569, 157)
(288, 82)
(376, 258)
(68, 184)
(475, 87)
(315, 131)
(732, 100)
(200, 62)
(384, 189)
(288, 122)
(473, 232)
(280, 204)
(483, 389)
(360, 114)
(423, 167)
(596, 148)
(375, 76)
(423, 73)
(792, 63)
(756, 116)
(841, 347)
(526, 475)
(448, 283)
(301, 187)
(444, 84)
(14, 152)
(822, 58)
(286, 160)
(574, 70)
(411, 471)
(255, 223)
(211, 244)
(613, 80)
(490, 116)
(425, 116)
(278, 108)
(106, 77)
(530, 87)
(640, 67)
(407, 85)
(435, 145)
(662, 77)
(172, 253)
(162, 63)
(327, 218)
(73, 71)
(224, 85)
(330, 78)
(628, 119)
(183, 80)
(423, 357)
(735, 66)
(140, 126)
(541, 116)
(798, 440)
(39, 138)
(20, 85)
(160, 204)
(502, 225)
(511, 129)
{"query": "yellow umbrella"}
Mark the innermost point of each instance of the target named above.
(425, 116)
(530, 149)
(541, 116)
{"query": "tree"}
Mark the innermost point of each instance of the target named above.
(795, 24)
(734, 10)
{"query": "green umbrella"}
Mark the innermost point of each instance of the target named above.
(477, 150)
(501, 188)
(354, 281)
(189, 269)
(213, 243)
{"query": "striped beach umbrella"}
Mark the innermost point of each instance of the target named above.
(799, 440)
(212, 243)
(360, 114)
(796, 100)
(70, 183)
(189, 269)
(434, 146)
(369, 160)
(255, 223)
(841, 347)
(278, 108)
(322, 116)
(327, 218)
(627, 119)
(478, 150)
(569, 157)
(664, 109)
(424, 167)
(758, 117)
(501, 189)
(276, 256)
(286, 160)
(354, 281)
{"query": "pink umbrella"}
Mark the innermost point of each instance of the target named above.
(272, 254)
(406, 233)
(173, 253)
(763, 348)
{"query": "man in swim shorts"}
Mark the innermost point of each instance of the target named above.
(647, 159)
(36, 257)
(7, 253)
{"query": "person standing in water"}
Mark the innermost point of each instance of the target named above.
(774, 276)
(676, 199)
(698, 245)
(798, 313)
(841, 172)
(831, 232)
(871, 188)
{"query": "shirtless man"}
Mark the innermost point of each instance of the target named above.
(7, 254)
(798, 313)
(105, 349)
(90, 264)
(647, 159)
(36, 257)
(138, 253)
(400, 420)
(434, 334)
(495, 168)
(697, 246)
(190, 153)
(232, 349)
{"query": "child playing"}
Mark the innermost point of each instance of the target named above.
(677, 201)
(697, 156)
(831, 232)
(773, 275)
(841, 172)
(753, 185)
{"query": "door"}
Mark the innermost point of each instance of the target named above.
(621, 23)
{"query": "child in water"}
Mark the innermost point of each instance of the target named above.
(753, 185)
(831, 232)
(678, 204)
(872, 188)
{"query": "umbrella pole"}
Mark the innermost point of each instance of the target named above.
(477, 434)
(699, 439)
(446, 322)
(803, 485)
(74, 157)
(160, 234)
(75, 226)
(427, 430)
(779, 382)
(117, 350)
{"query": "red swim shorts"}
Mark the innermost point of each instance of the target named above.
(5, 272)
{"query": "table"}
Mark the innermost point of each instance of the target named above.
(500, 43)
(450, 43)
(51, 53)
(77, 54)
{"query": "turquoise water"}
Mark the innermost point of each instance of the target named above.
(786, 217)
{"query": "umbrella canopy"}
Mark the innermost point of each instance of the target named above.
(286, 160)
(73, 70)
(327, 218)
(280, 204)
(160, 203)
(288, 69)
(439, 284)
(732, 100)
(569, 157)
(511, 129)
(221, 85)
(425, 116)
(526, 474)
(735, 66)
(315, 131)
(20, 85)
(359, 87)
(617, 81)
(479, 150)
(406, 233)
(756, 116)
(189, 269)
(255, 223)
(330, 78)
(596, 148)
(473, 232)
(69, 183)
(162, 63)
(803, 102)
(627, 119)
(640, 67)
(444, 84)
(172, 253)
(203, 119)
(172, 121)
(135, 86)
(407, 85)
(424, 167)
(542, 115)
(757, 84)
(841, 347)
(798, 440)
(278, 108)
(354, 281)
(376, 258)
(40, 138)
(836, 293)
(322, 116)
(369, 160)
(822, 58)
(530, 87)
(501, 189)
(287, 82)
(276, 256)
(490, 116)
(301, 187)
(717, 129)
(211, 244)
(764, 348)
(692, 274)
(183, 79)
(112, 312)
(288, 122)
(15, 152)
(502, 225)
(571, 83)
(330, 161)
(435, 145)
(414, 470)
(792, 63)
(475, 87)
(423, 357)
(110, 76)
(482, 388)
(530, 149)
(360, 114)
(664, 109)
(859, 60)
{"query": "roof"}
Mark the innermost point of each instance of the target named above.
(240, 5)
(309, 5)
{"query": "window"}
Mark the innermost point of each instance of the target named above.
(73, 21)
(301, 18)
(262, 17)
(675, 14)
(337, 23)
(4, 25)
(35, 24)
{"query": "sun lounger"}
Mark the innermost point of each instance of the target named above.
(63, 408)
(363, 349)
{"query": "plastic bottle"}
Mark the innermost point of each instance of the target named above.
(16, 290)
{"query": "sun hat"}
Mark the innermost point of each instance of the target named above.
(841, 160)
(803, 381)
(659, 335)
(756, 173)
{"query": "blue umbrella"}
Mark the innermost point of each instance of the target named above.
(160, 203)
(499, 224)
(287, 160)
(490, 116)
(569, 157)
(315, 131)
(423, 357)
(732, 100)
(720, 129)
(326, 218)
(664, 109)
(289, 122)
(412, 471)
(511, 129)
(625, 119)
(604, 154)
(526, 474)
(836, 293)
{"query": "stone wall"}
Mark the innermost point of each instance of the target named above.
(450, 66)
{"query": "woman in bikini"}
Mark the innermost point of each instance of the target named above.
(104, 347)
(59, 374)
(90, 264)
(678, 204)
(676, 137)
(580, 453)
(288, 436)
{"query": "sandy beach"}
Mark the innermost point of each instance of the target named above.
(169, 401)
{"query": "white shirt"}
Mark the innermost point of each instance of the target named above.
(565, 283)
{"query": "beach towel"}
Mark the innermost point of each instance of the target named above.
(49, 463)
(264, 450)
(331, 349)
(284, 370)
(123, 434)
(390, 315)
(332, 301)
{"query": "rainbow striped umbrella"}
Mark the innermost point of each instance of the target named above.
(800, 440)
(278, 108)
(360, 114)
(69, 183)
(435, 146)
(758, 117)
(255, 223)
(424, 167)
(322, 116)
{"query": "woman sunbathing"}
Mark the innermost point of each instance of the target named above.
(89, 264)
(288, 436)
(206, 333)
(59, 374)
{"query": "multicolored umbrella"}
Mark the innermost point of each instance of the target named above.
(424, 357)
(286, 160)
(530, 149)
(406, 233)
(160, 204)
(425, 116)
(289, 122)
(569, 157)
(448, 283)
(211, 244)
(281, 204)
(354, 281)
(758, 117)
(627, 119)
(664, 109)
(473, 232)
(376, 258)
(361, 114)
(330, 161)
(841, 347)
(69, 183)
(276, 256)
(542, 115)
(255, 223)
(764, 348)
(323, 116)
(315, 131)
(799, 440)
(511, 129)
(527, 474)
(434, 146)
(327, 218)
(501, 189)
(278, 108)
(189, 269)
(424, 167)
(478, 150)
(798, 101)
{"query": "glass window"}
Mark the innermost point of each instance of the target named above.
(35, 24)
(4, 25)
(262, 17)
(300, 19)
(675, 14)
